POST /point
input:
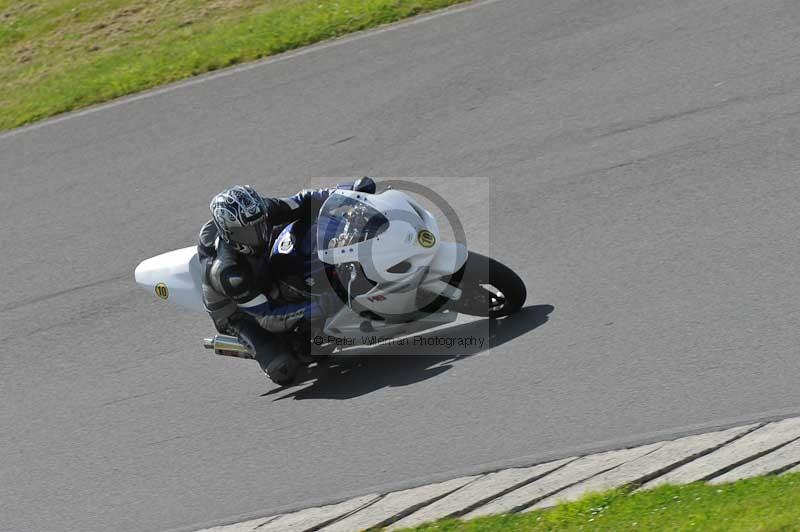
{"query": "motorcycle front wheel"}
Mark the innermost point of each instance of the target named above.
(489, 288)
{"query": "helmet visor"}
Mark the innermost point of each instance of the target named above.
(256, 235)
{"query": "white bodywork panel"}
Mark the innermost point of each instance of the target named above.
(396, 293)
(179, 272)
(449, 258)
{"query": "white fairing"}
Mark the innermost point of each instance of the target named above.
(400, 241)
(449, 258)
(179, 272)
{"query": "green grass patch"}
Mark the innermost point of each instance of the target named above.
(61, 55)
(769, 503)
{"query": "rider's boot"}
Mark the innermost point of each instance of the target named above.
(270, 352)
(282, 369)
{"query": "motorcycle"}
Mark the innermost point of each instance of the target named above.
(378, 257)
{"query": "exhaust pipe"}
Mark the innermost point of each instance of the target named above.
(228, 346)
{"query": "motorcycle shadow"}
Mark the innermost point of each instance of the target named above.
(364, 370)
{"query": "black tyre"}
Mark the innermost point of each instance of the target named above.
(489, 288)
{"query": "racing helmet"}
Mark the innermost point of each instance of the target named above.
(241, 217)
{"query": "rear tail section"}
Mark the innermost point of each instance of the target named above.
(174, 276)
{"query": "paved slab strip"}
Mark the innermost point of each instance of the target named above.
(244, 526)
(394, 505)
(795, 469)
(313, 518)
(786, 456)
(570, 474)
(721, 456)
(478, 493)
(749, 447)
(672, 454)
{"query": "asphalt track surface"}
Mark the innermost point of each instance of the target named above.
(644, 164)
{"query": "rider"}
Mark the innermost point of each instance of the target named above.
(234, 249)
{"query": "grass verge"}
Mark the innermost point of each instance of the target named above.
(769, 503)
(61, 55)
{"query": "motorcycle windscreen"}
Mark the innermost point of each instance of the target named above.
(345, 221)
